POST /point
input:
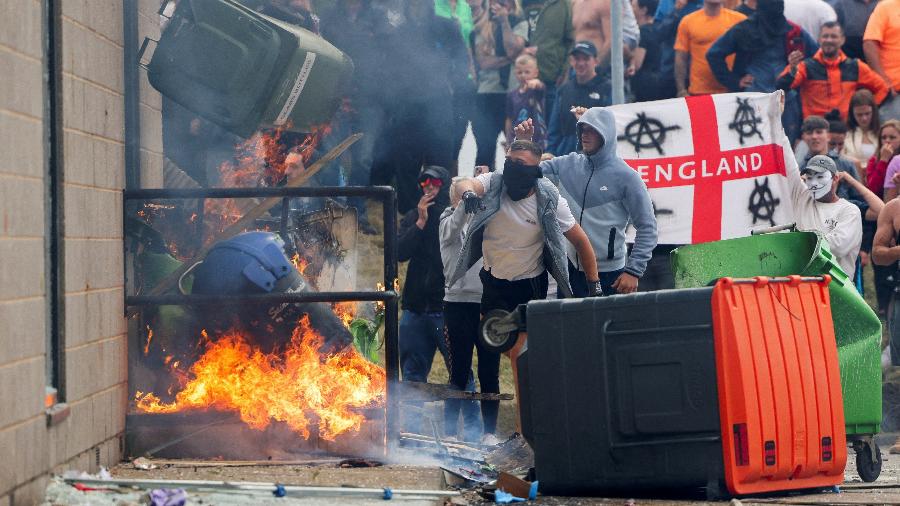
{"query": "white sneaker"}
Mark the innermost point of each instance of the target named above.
(489, 440)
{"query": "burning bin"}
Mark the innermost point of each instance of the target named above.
(856, 327)
(735, 385)
(242, 70)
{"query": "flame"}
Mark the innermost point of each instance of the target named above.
(149, 338)
(346, 311)
(297, 386)
(299, 262)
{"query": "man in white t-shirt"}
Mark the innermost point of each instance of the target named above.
(817, 207)
(519, 227)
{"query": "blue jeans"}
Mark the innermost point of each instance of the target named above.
(579, 282)
(421, 334)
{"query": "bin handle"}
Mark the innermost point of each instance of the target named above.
(143, 49)
(777, 228)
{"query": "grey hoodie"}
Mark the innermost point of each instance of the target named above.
(606, 195)
(452, 233)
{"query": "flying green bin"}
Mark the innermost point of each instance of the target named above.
(243, 70)
(856, 327)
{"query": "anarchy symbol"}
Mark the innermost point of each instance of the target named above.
(643, 126)
(745, 123)
(763, 203)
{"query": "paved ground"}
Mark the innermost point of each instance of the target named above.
(886, 490)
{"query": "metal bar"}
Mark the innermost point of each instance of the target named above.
(378, 192)
(54, 222)
(391, 324)
(617, 62)
(132, 96)
(248, 486)
(259, 298)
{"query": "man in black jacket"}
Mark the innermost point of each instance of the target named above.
(422, 320)
(427, 63)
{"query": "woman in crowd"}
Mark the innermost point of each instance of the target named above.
(498, 39)
(863, 123)
(888, 142)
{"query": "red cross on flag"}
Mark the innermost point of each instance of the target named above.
(714, 164)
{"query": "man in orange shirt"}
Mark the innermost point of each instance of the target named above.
(881, 45)
(828, 79)
(696, 33)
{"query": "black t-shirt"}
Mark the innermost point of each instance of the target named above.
(646, 82)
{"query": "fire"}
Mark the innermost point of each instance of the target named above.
(346, 311)
(149, 338)
(299, 262)
(297, 386)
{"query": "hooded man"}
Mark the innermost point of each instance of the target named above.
(605, 195)
(519, 227)
(762, 45)
(422, 323)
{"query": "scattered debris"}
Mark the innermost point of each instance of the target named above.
(517, 486)
(168, 497)
(359, 463)
(501, 497)
(143, 463)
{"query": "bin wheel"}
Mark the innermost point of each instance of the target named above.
(498, 332)
(869, 468)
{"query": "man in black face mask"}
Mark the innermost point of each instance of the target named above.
(520, 225)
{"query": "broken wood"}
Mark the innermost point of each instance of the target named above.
(427, 392)
(246, 222)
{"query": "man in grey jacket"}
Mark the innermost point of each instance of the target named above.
(605, 195)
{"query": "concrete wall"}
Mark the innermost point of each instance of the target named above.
(94, 156)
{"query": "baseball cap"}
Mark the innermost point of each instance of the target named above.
(585, 46)
(814, 123)
(820, 163)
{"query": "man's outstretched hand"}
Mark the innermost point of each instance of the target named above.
(525, 130)
(471, 201)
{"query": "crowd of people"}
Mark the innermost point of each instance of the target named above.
(536, 74)
(426, 69)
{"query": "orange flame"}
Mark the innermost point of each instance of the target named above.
(299, 262)
(295, 387)
(149, 338)
(346, 311)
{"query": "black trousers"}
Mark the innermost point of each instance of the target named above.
(488, 120)
(506, 295)
(461, 321)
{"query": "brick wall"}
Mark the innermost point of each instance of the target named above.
(95, 344)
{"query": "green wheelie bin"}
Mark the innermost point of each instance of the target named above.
(244, 71)
(856, 327)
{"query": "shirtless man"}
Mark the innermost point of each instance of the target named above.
(591, 21)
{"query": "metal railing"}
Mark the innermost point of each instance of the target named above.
(384, 194)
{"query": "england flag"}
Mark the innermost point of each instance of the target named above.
(714, 164)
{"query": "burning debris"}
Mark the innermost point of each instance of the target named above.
(294, 386)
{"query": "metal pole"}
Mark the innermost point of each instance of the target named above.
(391, 324)
(132, 96)
(616, 55)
